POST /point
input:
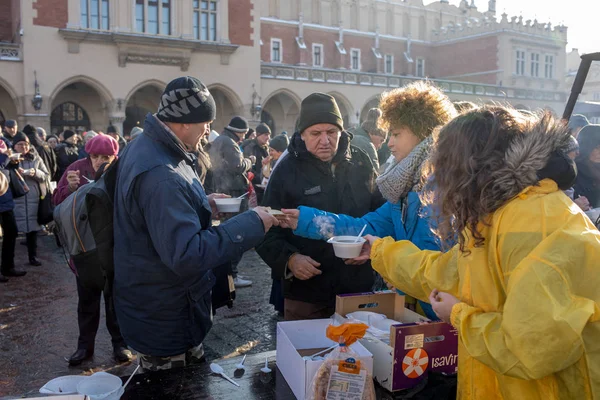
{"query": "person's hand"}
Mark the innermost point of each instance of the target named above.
(31, 172)
(73, 178)
(582, 202)
(253, 159)
(289, 218)
(365, 252)
(266, 160)
(442, 304)
(213, 205)
(267, 219)
(303, 267)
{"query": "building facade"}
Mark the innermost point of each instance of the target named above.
(90, 63)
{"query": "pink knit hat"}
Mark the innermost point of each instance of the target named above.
(103, 145)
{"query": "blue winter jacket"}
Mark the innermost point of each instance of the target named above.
(165, 246)
(410, 223)
(7, 203)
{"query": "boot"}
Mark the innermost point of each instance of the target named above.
(14, 272)
(32, 249)
(79, 356)
(34, 261)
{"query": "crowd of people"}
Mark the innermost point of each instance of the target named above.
(475, 213)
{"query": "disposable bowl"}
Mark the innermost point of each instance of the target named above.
(101, 386)
(228, 205)
(346, 246)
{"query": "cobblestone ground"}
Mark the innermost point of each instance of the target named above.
(38, 323)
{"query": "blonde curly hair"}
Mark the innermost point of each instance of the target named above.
(419, 106)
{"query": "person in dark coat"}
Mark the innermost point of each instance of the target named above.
(42, 148)
(166, 247)
(10, 130)
(114, 133)
(7, 219)
(230, 168)
(259, 148)
(66, 153)
(368, 137)
(321, 170)
(587, 184)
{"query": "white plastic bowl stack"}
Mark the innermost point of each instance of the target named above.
(229, 205)
(101, 386)
(347, 246)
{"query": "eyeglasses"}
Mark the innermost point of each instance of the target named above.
(24, 144)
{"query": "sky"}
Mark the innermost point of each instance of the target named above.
(582, 17)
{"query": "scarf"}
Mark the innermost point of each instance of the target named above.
(404, 176)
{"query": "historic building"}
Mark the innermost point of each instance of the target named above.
(589, 99)
(91, 63)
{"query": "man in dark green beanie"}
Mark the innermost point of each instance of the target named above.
(323, 171)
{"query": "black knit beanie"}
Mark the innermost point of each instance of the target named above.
(279, 143)
(19, 137)
(263, 128)
(67, 134)
(186, 100)
(319, 108)
(238, 125)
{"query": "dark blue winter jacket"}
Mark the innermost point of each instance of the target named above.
(7, 202)
(165, 246)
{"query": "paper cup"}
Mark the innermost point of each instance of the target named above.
(346, 246)
(228, 205)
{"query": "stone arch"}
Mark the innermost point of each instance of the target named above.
(228, 105)
(142, 99)
(345, 108)
(372, 102)
(86, 93)
(9, 104)
(283, 108)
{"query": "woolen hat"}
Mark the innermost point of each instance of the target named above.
(67, 134)
(19, 137)
(263, 128)
(112, 129)
(238, 125)
(319, 108)
(578, 121)
(9, 123)
(279, 143)
(186, 100)
(103, 145)
(29, 130)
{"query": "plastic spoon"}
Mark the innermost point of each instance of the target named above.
(266, 369)
(360, 234)
(217, 369)
(241, 365)
(129, 380)
(244, 195)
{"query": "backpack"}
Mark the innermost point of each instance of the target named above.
(84, 224)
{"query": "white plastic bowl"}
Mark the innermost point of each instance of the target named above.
(346, 246)
(368, 317)
(62, 385)
(384, 324)
(228, 205)
(101, 386)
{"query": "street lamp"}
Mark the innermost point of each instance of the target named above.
(255, 107)
(37, 100)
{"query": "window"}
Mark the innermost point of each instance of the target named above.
(596, 96)
(94, 14)
(68, 116)
(389, 64)
(520, 68)
(355, 59)
(153, 16)
(420, 72)
(205, 20)
(276, 50)
(317, 55)
(535, 65)
(549, 67)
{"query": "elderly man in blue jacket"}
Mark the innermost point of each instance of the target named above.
(165, 246)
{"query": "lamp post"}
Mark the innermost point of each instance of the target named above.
(37, 100)
(255, 107)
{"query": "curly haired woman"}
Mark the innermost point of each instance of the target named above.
(521, 286)
(410, 114)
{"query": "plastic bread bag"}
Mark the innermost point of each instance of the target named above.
(342, 375)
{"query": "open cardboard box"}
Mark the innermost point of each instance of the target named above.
(414, 348)
(60, 397)
(296, 339)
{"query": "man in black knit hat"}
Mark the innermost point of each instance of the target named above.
(166, 248)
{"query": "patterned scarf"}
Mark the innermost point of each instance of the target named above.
(404, 176)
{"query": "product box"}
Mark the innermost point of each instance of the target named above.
(414, 348)
(296, 339)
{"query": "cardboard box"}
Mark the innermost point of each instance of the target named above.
(61, 397)
(413, 349)
(296, 339)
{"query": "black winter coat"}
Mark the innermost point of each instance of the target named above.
(228, 165)
(66, 154)
(588, 183)
(254, 149)
(302, 179)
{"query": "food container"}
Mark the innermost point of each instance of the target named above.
(228, 205)
(62, 385)
(101, 386)
(347, 246)
(368, 317)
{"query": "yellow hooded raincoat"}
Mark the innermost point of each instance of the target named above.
(529, 317)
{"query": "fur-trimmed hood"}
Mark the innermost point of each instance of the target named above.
(539, 153)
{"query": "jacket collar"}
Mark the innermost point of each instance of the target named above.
(231, 135)
(161, 133)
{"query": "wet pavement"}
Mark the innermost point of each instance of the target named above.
(38, 323)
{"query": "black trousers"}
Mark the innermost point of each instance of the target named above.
(9, 240)
(88, 317)
(31, 240)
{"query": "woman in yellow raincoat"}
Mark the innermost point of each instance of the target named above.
(522, 285)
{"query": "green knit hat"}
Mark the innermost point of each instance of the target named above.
(319, 108)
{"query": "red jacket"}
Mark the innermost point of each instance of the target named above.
(84, 166)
